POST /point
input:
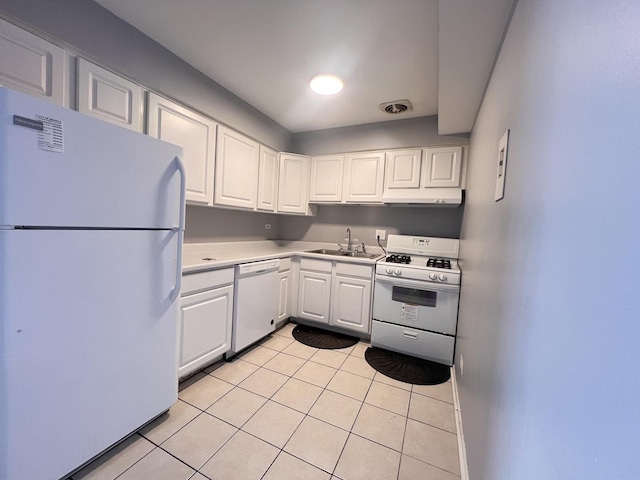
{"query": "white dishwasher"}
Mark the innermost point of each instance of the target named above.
(255, 303)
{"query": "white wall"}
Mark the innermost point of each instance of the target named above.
(549, 323)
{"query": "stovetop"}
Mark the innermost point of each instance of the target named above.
(432, 262)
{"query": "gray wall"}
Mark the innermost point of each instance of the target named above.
(332, 221)
(93, 30)
(549, 323)
(206, 224)
(411, 132)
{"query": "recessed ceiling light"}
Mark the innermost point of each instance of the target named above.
(326, 84)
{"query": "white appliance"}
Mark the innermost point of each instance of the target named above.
(255, 303)
(417, 288)
(91, 226)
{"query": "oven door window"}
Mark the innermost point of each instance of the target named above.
(425, 298)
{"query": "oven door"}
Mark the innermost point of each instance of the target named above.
(417, 304)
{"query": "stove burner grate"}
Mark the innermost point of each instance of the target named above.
(439, 263)
(398, 259)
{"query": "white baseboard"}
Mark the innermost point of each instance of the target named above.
(462, 451)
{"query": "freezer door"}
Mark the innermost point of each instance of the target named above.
(88, 343)
(107, 176)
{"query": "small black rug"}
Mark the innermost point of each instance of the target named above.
(405, 368)
(318, 338)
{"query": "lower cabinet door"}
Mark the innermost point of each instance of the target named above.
(314, 296)
(205, 327)
(352, 304)
(284, 302)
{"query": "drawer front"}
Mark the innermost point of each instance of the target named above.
(410, 341)
(285, 264)
(197, 282)
(315, 265)
(354, 270)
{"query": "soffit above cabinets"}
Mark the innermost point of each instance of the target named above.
(266, 51)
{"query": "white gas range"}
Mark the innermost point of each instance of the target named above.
(415, 307)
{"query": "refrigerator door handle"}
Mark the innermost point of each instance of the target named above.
(180, 229)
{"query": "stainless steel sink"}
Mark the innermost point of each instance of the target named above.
(325, 251)
(340, 253)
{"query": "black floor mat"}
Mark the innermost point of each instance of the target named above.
(318, 338)
(405, 368)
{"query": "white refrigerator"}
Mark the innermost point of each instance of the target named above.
(91, 227)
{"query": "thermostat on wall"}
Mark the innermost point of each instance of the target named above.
(501, 171)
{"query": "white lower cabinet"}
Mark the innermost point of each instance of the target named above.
(351, 303)
(336, 293)
(284, 297)
(206, 311)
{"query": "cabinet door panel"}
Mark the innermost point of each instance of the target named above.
(326, 178)
(107, 96)
(314, 296)
(403, 169)
(351, 302)
(237, 159)
(442, 167)
(196, 134)
(268, 179)
(293, 185)
(31, 64)
(363, 178)
(284, 302)
(205, 327)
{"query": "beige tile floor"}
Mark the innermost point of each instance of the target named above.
(287, 411)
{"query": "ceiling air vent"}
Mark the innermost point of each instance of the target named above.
(397, 106)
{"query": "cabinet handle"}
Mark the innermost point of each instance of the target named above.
(412, 335)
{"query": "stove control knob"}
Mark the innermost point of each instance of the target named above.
(397, 272)
(390, 271)
(433, 276)
(442, 277)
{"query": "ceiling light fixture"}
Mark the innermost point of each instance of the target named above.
(326, 84)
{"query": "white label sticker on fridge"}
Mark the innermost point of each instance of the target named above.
(51, 138)
(409, 312)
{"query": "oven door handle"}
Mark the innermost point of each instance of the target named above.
(417, 284)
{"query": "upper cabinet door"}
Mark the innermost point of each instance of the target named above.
(293, 184)
(403, 169)
(196, 134)
(442, 167)
(363, 177)
(237, 159)
(31, 65)
(107, 96)
(326, 178)
(268, 180)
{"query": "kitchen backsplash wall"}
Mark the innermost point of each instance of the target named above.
(411, 132)
(332, 221)
(88, 27)
(206, 225)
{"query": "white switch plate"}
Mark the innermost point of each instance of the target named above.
(501, 169)
(382, 234)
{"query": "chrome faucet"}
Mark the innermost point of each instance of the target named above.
(347, 237)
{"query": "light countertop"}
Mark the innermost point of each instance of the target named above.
(224, 254)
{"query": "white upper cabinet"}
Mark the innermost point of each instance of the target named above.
(196, 134)
(31, 64)
(326, 178)
(293, 184)
(403, 169)
(237, 159)
(442, 167)
(107, 96)
(268, 180)
(363, 177)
